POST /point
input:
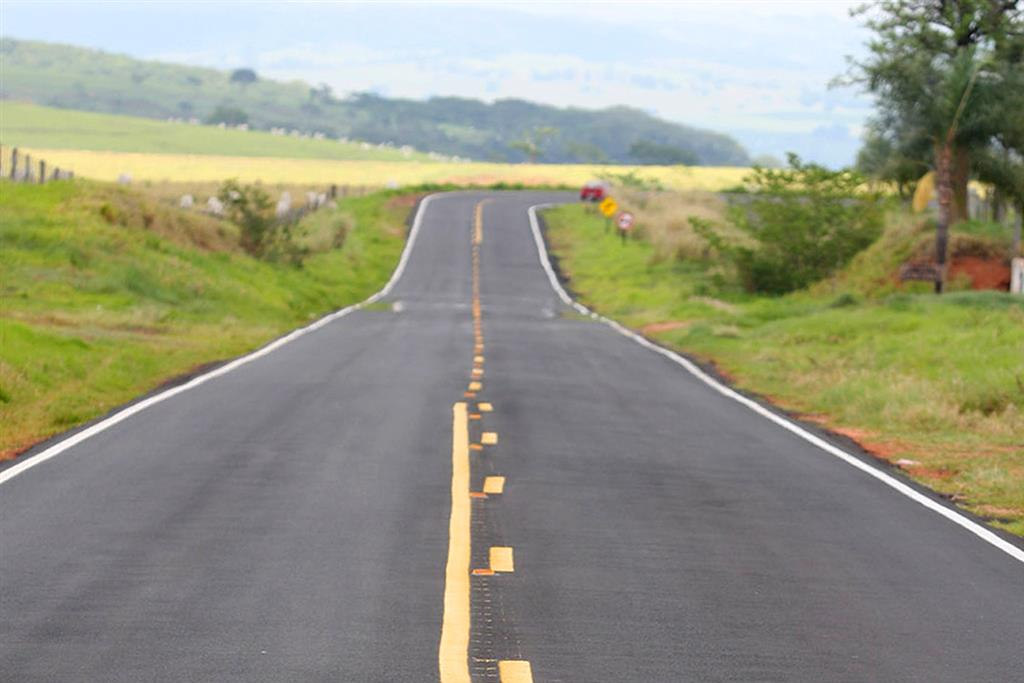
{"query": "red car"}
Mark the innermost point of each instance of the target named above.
(594, 191)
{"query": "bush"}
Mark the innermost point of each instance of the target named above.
(260, 234)
(805, 221)
(232, 116)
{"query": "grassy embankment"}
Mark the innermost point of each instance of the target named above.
(107, 293)
(935, 384)
(102, 147)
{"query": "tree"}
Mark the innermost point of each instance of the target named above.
(938, 71)
(232, 116)
(647, 152)
(532, 141)
(244, 77)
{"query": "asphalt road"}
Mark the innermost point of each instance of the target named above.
(293, 519)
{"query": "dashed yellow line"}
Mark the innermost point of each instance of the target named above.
(475, 386)
(484, 407)
(501, 559)
(489, 438)
(514, 671)
(453, 652)
(494, 485)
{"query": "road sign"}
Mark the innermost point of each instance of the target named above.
(608, 207)
(625, 220)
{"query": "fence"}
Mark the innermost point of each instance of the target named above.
(23, 168)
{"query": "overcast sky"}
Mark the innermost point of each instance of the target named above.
(758, 70)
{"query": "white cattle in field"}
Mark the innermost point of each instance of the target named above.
(215, 206)
(186, 201)
(284, 205)
(124, 179)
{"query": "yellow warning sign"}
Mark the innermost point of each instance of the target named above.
(608, 207)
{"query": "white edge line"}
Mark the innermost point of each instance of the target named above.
(122, 415)
(887, 479)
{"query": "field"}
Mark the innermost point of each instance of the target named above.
(100, 165)
(933, 385)
(108, 292)
(33, 126)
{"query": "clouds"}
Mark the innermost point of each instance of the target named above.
(731, 66)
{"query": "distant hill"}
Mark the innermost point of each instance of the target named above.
(77, 78)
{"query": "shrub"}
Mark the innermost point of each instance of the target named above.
(805, 222)
(260, 234)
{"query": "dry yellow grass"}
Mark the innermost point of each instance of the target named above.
(210, 168)
(663, 219)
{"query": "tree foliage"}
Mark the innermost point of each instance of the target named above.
(647, 152)
(533, 141)
(226, 114)
(244, 76)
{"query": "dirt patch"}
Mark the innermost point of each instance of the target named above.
(664, 326)
(852, 432)
(933, 473)
(404, 201)
(983, 273)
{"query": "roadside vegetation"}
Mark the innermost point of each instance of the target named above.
(109, 291)
(934, 385)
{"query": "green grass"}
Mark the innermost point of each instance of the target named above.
(938, 381)
(107, 294)
(37, 127)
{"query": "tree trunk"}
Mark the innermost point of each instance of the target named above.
(960, 170)
(944, 190)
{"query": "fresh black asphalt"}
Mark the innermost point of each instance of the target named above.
(288, 521)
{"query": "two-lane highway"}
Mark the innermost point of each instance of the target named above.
(298, 517)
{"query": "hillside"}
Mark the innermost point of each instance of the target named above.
(76, 78)
(34, 126)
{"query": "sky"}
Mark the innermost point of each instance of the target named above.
(756, 69)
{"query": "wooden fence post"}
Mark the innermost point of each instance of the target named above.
(42, 171)
(14, 163)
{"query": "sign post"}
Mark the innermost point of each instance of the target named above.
(625, 224)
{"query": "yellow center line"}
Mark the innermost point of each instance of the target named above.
(484, 407)
(494, 485)
(478, 223)
(489, 438)
(453, 653)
